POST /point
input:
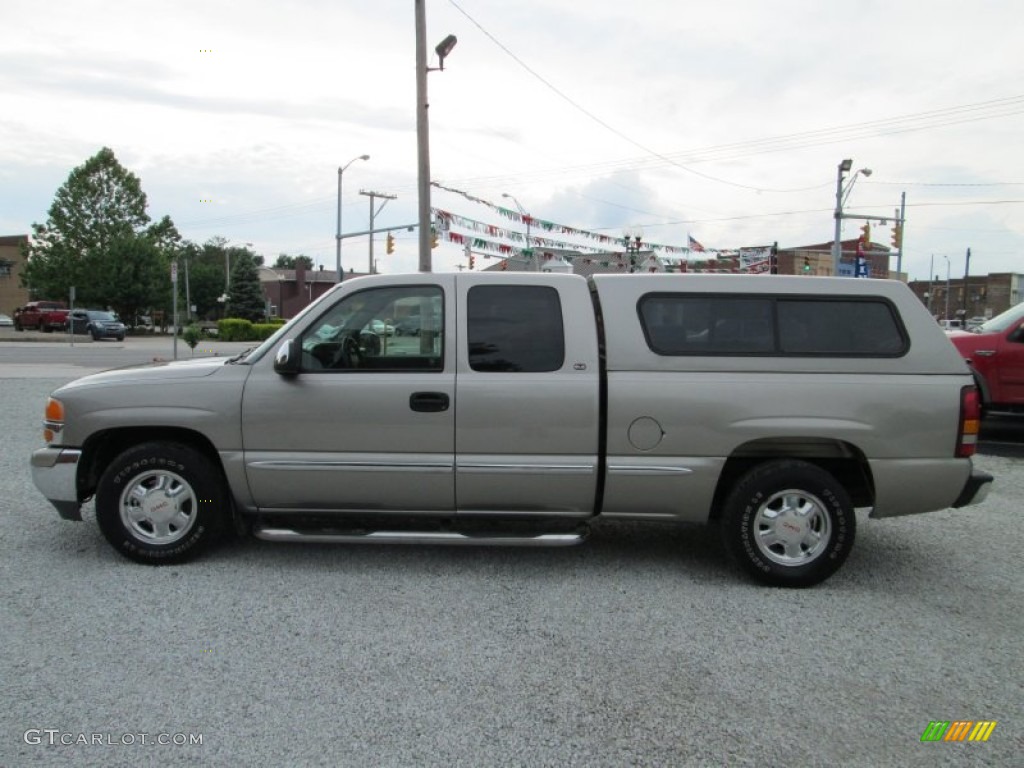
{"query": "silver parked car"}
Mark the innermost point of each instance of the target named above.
(98, 323)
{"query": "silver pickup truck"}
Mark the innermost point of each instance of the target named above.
(518, 408)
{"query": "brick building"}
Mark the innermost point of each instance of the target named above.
(288, 291)
(818, 260)
(985, 296)
(12, 295)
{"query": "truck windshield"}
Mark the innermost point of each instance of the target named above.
(1003, 321)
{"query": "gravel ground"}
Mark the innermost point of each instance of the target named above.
(642, 647)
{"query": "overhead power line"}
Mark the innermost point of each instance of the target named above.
(1003, 107)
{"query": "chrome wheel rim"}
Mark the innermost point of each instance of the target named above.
(159, 507)
(792, 528)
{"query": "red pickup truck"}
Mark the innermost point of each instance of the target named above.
(41, 315)
(995, 352)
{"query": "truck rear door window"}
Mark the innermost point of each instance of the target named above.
(678, 324)
(515, 328)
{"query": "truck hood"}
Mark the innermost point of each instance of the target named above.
(967, 342)
(152, 372)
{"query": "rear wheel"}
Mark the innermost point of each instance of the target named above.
(789, 523)
(161, 503)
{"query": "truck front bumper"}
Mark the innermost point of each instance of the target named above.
(55, 471)
(976, 489)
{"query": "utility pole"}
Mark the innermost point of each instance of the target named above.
(373, 215)
(967, 273)
(423, 131)
(901, 222)
(931, 283)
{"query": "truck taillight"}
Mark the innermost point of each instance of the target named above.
(970, 422)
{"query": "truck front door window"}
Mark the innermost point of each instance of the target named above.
(359, 332)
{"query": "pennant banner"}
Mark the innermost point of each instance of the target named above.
(672, 257)
(550, 226)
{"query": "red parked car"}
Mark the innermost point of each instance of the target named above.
(995, 352)
(42, 316)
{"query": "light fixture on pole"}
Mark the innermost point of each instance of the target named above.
(337, 255)
(423, 128)
(841, 196)
(632, 237)
(528, 220)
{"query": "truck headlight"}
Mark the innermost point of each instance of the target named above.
(53, 424)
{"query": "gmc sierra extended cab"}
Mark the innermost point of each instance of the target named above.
(530, 405)
(43, 316)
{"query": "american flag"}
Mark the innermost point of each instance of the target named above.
(694, 244)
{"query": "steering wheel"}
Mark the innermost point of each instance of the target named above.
(350, 354)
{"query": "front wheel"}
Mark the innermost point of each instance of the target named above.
(161, 503)
(789, 523)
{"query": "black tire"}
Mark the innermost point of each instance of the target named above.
(133, 495)
(96, 335)
(788, 523)
(120, 338)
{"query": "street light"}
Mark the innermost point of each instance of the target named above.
(841, 197)
(528, 219)
(337, 256)
(633, 234)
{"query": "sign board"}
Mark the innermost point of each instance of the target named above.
(174, 271)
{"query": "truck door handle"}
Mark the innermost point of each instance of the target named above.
(428, 402)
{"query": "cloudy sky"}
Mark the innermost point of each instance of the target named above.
(723, 121)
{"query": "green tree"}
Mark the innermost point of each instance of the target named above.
(284, 261)
(207, 266)
(97, 238)
(246, 295)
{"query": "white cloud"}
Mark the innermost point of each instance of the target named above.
(255, 106)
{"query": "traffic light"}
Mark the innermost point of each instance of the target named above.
(897, 235)
(391, 243)
(504, 264)
(472, 261)
(865, 234)
(807, 264)
(433, 238)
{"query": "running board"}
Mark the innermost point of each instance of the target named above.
(419, 537)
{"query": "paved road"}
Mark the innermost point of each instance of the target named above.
(642, 647)
(51, 355)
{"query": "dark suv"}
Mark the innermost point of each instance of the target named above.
(98, 323)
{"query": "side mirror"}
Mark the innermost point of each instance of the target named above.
(286, 361)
